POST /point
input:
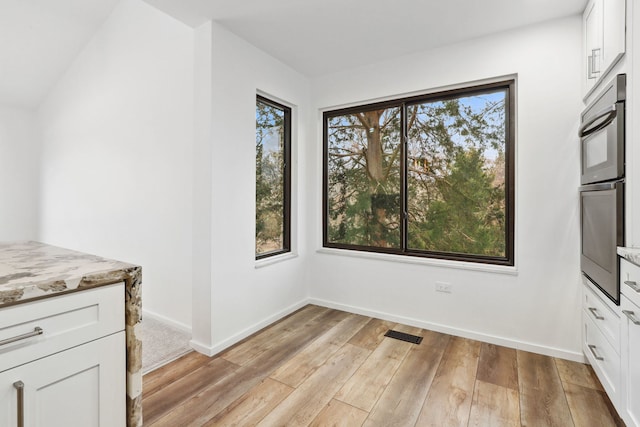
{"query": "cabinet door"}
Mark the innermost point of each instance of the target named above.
(83, 386)
(592, 27)
(604, 359)
(613, 32)
(631, 363)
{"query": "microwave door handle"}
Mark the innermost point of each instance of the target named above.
(608, 114)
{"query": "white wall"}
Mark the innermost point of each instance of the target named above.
(117, 133)
(243, 297)
(19, 174)
(126, 174)
(539, 307)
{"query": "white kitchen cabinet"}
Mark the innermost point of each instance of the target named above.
(592, 28)
(601, 339)
(630, 305)
(631, 362)
(604, 39)
(82, 386)
(63, 361)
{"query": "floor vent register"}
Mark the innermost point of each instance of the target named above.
(414, 339)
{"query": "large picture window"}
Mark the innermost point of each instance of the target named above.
(428, 176)
(273, 178)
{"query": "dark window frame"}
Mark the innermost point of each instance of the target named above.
(402, 103)
(286, 220)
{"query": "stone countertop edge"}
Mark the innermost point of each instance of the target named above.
(630, 254)
(31, 271)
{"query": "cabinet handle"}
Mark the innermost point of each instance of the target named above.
(632, 284)
(631, 316)
(19, 386)
(36, 331)
(593, 351)
(595, 313)
(590, 74)
(594, 56)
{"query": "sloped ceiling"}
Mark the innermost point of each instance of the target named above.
(38, 41)
(40, 38)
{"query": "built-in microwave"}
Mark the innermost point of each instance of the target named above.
(602, 134)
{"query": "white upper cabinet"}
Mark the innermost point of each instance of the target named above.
(592, 29)
(613, 32)
(604, 33)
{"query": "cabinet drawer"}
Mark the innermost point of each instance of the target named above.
(603, 358)
(65, 321)
(602, 316)
(630, 281)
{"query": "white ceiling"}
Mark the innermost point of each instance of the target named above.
(38, 41)
(40, 38)
(317, 37)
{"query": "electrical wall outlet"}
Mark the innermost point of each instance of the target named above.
(443, 287)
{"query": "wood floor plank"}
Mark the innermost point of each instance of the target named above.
(244, 352)
(372, 334)
(365, 387)
(577, 373)
(542, 398)
(589, 407)
(306, 402)
(338, 414)
(159, 378)
(159, 403)
(402, 399)
(430, 385)
(211, 401)
(298, 368)
(253, 406)
(498, 365)
(451, 393)
(494, 406)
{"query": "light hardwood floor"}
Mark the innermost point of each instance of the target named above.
(323, 367)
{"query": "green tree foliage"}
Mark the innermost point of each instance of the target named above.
(468, 215)
(455, 176)
(364, 178)
(269, 178)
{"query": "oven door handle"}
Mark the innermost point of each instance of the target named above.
(600, 186)
(608, 114)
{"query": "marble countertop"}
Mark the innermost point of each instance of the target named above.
(33, 270)
(630, 254)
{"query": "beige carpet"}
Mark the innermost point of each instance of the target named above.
(161, 343)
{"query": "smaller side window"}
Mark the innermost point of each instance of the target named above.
(273, 178)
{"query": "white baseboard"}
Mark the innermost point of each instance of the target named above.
(218, 347)
(491, 339)
(166, 320)
(201, 348)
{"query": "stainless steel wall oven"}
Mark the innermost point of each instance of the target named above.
(602, 136)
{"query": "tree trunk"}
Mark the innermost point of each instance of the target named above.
(373, 154)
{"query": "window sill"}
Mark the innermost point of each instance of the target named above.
(406, 259)
(275, 259)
